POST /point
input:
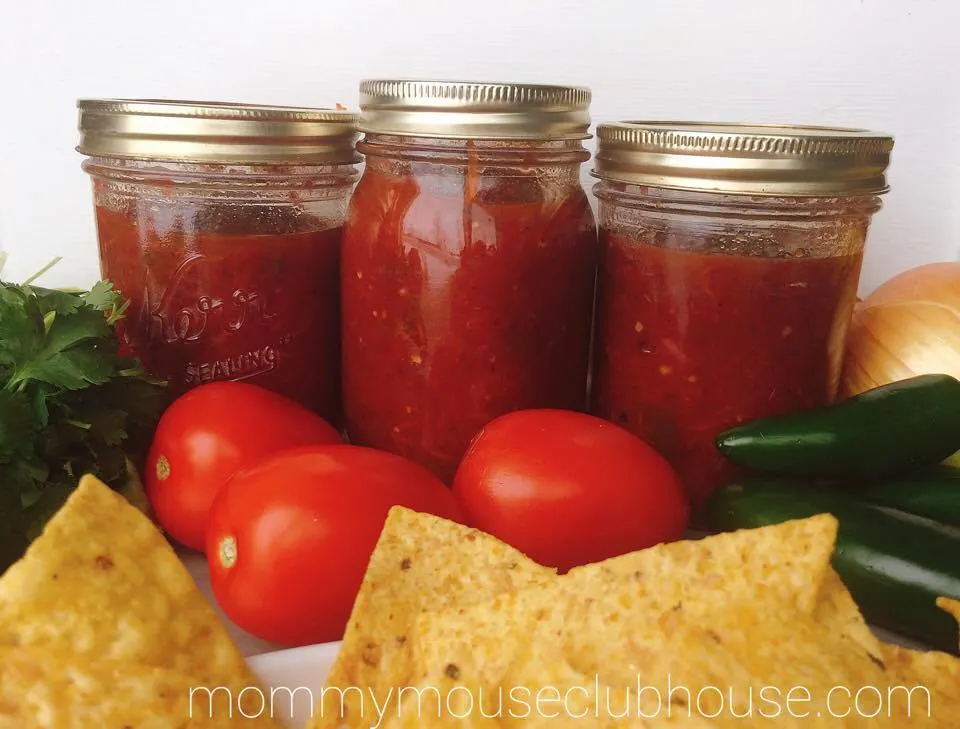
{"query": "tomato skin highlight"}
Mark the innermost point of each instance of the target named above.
(206, 436)
(290, 537)
(569, 489)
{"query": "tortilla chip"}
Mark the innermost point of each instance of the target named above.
(420, 562)
(442, 702)
(919, 672)
(735, 612)
(697, 579)
(421, 707)
(837, 611)
(102, 583)
(952, 607)
(44, 690)
(737, 650)
(785, 562)
(788, 560)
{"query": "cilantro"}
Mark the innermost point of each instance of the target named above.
(18, 426)
(70, 404)
(102, 296)
(57, 302)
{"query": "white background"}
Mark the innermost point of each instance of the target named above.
(890, 65)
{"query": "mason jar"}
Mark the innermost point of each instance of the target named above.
(729, 268)
(469, 260)
(221, 224)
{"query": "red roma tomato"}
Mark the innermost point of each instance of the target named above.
(289, 538)
(569, 489)
(207, 435)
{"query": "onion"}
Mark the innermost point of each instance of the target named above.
(909, 326)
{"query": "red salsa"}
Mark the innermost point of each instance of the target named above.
(464, 297)
(690, 343)
(221, 294)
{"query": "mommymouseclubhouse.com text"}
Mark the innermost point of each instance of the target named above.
(379, 710)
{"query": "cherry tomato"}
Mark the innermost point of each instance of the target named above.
(206, 436)
(569, 489)
(289, 538)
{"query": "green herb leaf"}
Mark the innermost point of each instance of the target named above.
(42, 392)
(71, 370)
(102, 297)
(18, 425)
(51, 499)
(68, 331)
(21, 325)
(133, 490)
(106, 423)
(13, 520)
(69, 404)
(56, 302)
(33, 476)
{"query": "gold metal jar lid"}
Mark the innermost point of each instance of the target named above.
(747, 159)
(204, 131)
(474, 110)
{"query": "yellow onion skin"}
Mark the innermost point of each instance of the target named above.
(909, 326)
(939, 282)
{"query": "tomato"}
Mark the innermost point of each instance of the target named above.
(569, 489)
(290, 538)
(206, 436)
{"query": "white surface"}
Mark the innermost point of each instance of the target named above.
(293, 678)
(887, 64)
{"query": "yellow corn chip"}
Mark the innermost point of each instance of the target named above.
(837, 611)
(727, 618)
(921, 676)
(928, 676)
(45, 690)
(102, 583)
(686, 577)
(738, 654)
(714, 673)
(788, 560)
(420, 562)
(716, 670)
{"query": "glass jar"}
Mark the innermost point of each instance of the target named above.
(729, 267)
(221, 224)
(469, 261)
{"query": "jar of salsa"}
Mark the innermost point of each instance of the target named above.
(221, 224)
(729, 267)
(469, 260)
